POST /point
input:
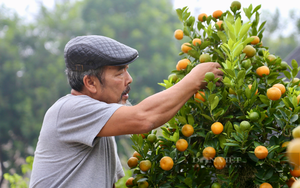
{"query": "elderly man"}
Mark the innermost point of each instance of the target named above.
(76, 146)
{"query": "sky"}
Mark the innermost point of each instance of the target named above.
(27, 8)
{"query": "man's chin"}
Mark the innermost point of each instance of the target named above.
(125, 102)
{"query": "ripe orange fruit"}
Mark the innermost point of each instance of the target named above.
(137, 155)
(195, 41)
(209, 153)
(236, 4)
(129, 181)
(217, 14)
(281, 87)
(250, 86)
(263, 71)
(187, 130)
(143, 136)
(219, 163)
(296, 132)
(256, 40)
(185, 47)
(249, 51)
(183, 63)
(261, 152)
(220, 24)
(166, 163)
(181, 145)
(298, 98)
(145, 165)
(200, 17)
(217, 127)
(293, 152)
(132, 162)
(198, 96)
(274, 93)
(291, 181)
(265, 185)
(295, 172)
(178, 34)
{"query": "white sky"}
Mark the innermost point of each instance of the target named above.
(27, 8)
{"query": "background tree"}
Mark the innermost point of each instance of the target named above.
(32, 64)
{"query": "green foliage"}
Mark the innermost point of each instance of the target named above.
(19, 181)
(32, 64)
(270, 128)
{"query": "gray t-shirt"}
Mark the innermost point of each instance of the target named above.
(68, 153)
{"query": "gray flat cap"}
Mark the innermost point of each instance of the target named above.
(93, 51)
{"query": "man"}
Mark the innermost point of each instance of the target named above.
(76, 146)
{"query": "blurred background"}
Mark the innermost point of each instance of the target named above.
(33, 34)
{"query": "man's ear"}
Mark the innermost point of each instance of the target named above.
(90, 83)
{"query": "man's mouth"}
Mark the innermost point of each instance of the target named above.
(126, 91)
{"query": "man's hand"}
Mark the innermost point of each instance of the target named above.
(199, 71)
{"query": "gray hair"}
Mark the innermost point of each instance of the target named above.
(75, 78)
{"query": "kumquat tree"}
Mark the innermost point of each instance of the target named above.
(244, 133)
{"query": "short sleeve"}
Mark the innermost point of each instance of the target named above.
(81, 118)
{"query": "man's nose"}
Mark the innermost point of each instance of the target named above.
(129, 78)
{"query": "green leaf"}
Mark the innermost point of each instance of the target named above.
(219, 53)
(268, 174)
(179, 13)
(175, 136)
(264, 99)
(222, 140)
(253, 157)
(257, 8)
(214, 102)
(229, 128)
(204, 45)
(238, 50)
(188, 182)
(207, 117)
(231, 144)
(222, 36)
(294, 118)
(294, 72)
(244, 29)
(182, 119)
(194, 53)
(294, 64)
(231, 30)
(185, 15)
(287, 74)
(237, 128)
(241, 75)
(186, 31)
(262, 25)
(191, 120)
(238, 25)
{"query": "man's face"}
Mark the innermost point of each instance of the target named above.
(116, 85)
